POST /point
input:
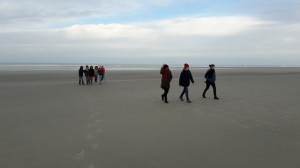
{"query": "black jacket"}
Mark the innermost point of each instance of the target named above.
(185, 78)
(80, 72)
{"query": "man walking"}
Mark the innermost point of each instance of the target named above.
(210, 77)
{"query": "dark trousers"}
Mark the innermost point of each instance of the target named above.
(207, 87)
(81, 82)
(186, 92)
(166, 91)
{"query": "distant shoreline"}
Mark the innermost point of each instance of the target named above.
(115, 67)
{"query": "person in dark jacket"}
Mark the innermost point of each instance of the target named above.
(87, 74)
(81, 76)
(91, 73)
(184, 81)
(165, 81)
(210, 77)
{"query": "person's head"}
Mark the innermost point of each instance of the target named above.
(166, 66)
(91, 67)
(86, 66)
(212, 66)
(81, 67)
(186, 66)
(96, 67)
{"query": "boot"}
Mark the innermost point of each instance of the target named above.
(166, 99)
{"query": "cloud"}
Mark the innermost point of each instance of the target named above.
(209, 26)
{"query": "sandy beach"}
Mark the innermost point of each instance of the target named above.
(48, 121)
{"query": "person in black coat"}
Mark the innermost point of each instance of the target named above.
(165, 81)
(91, 73)
(87, 74)
(80, 71)
(184, 81)
(210, 77)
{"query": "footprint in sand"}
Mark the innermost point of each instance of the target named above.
(99, 130)
(97, 120)
(89, 137)
(80, 155)
(95, 146)
(91, 166)
(90, 125)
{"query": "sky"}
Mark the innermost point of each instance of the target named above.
(200, 32)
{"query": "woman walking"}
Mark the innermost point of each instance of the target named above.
(81, 82)
(184, 81)
(210, 77)
(101, 73)
(165, 81)
(96, 74)
(87, 74)
(92, 73)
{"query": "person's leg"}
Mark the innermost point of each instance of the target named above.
(96, 79)
(182, 93)
(79, 80)
(166, 95)
(187, 94)
(87, 80)
(100, 79)
(215, 90)
(204, 92)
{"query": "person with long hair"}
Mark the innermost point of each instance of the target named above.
(165, 81)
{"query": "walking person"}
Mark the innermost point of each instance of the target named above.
(92, 73)
(210, 77)
(87, 74)
(81, 82)
(184, 81)
(96, 74)
(165, 81)
(101, 73)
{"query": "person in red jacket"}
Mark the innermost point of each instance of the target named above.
(101, 72)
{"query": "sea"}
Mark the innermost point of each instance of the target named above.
(112, 67)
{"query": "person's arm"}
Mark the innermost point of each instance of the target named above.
(191, 77)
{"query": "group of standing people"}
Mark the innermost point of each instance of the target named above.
(185, 79)
(89, 74)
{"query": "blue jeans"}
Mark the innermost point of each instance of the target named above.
(186, 92)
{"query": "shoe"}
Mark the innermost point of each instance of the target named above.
(188, 101)
(181, 98)
(166, 101)
(216, 98)
(203, 96)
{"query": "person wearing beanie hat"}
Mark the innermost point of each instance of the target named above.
(210, 77)
(165, 81)
(184, 81)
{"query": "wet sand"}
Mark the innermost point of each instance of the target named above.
(48, 120)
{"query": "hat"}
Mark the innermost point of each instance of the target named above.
(186, 65)
(211, 65)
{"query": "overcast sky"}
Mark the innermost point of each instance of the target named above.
(224, 32)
